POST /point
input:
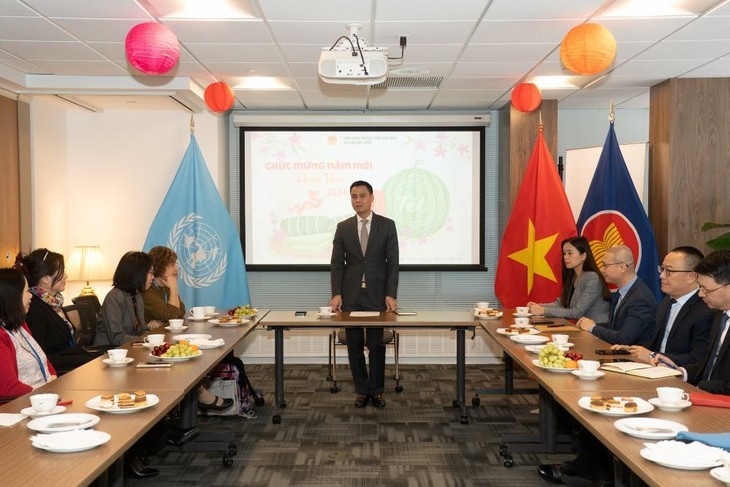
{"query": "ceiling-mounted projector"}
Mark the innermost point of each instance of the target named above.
(350, 61)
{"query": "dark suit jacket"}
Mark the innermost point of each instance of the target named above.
(719, 382)
(53, 335)
(689, 338)
(379, 264)
(635, 318)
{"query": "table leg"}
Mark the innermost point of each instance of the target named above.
(279, 372)
(460, 401)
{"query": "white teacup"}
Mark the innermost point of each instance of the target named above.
(522, 321)
(325, 310)
(154, 339)
(209, 310)
(117, 354)
(522, 310)
(198, 312)
(43, 403)
(671, 395)
(483, 305)
(560, 339)
(176, 323)
(589, 367)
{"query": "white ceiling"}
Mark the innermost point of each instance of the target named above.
(74, 49)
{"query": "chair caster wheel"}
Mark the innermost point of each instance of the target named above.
(464, 420)
(334, 389)
(475, 401)
(455, 403)
(329, 378)
(259, 401)
(232, 450)
(399, 388)
(508, 462)
(227, 461)
(276, 419)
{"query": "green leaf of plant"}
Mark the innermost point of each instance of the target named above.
(720, 243)
(711, 225)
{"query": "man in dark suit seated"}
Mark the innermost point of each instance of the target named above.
(683, 320)
(364, 277)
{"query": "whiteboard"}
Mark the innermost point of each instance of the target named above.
(580, 165)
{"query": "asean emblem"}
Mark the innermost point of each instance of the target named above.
(609, 228)
(201, 258)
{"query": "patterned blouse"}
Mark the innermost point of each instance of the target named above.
(32, 362)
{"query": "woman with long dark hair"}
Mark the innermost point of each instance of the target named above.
(23, 364)
(585, 292)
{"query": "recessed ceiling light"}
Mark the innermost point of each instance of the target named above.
(409, 71)
(262, 83)
(556, 82)
(207, 10)
(654, 8)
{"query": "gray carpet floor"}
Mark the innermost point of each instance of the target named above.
(323, 440)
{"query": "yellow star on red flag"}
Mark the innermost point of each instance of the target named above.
(534, 256)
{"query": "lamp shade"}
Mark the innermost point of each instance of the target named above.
(87, 264)
(152, 48)
(588, 49)
(219, 97)
(526, 97)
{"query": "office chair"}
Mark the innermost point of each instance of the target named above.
(83, 318)
(90, 300)
(339, 337)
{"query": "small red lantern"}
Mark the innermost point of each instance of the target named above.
(152, 48)
(588, 49)
(526, 97)
(219, 97)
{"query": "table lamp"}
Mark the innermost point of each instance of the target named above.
(87, 264)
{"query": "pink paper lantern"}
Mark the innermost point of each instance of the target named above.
(152, 48)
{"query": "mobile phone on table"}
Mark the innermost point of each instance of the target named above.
(300, 313)
(613, 360)
(608, 351)
(543, 321)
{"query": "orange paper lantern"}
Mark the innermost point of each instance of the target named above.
(526, 97)
(219, 97)
(152, 48)
(588, 49)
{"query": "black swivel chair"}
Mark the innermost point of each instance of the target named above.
(83, 318)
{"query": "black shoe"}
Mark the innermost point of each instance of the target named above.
(378, 401)
(219, 404)
(135, 468)
(361, 400)
(552, 472)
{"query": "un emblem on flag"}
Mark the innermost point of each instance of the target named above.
(201, 258)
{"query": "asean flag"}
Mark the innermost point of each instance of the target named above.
(612, 214)
(529, 266)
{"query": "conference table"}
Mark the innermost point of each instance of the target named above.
(25, 465)
(457, 321)
(565, 390)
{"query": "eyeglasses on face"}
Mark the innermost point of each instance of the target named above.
(708, 291)
(606, 264)
(661, 269)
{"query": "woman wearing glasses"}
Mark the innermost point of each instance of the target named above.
(585, 292)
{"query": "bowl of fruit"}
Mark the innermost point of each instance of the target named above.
(179, 352)
(244, 311)
(550, 357)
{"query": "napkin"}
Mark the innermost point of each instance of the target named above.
(65, 438)
(9, 419)
(206, 343)
(694, 453)
(720, 440)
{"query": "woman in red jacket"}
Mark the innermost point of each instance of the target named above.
(23, 364)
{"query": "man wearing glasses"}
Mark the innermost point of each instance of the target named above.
(632, 315)
(713, 373)
(683, 319)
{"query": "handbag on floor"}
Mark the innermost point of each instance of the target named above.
(223, 381)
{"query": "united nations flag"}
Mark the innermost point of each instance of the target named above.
(194, 222)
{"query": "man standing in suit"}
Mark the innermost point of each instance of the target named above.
(364, 277)
(713, 373)
(683, 320)
(632, 315)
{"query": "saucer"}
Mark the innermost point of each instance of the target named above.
(595, 375)
(522, 315)
(667, 407)
(721, 474)
(180, 328)
(123, 363)
(326, 316)
(32, 413)
(204, 318)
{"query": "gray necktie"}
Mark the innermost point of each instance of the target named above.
(364, 236)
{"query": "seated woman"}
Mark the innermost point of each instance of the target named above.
(121, 317)
(585, 292)
(46, 318)
(162, 303)
(23, 364)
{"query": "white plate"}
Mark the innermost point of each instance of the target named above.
(522, 315)
(529, 339)
(176, 359)
(642, 407)
(561, 370)
(63, 422)
(687, 461)
(123, 363)
(534, 348)
(204, 318)
(721, 474)
(326, 316)
(191, 336)
(503, 331)
(669, 407)
(70, 441)
(595, 375)
(179, 328)
(245, 319)
(205, 344)
(641, 428)
(94, 402)
(488, 317)
(563, 346)
(32, 413)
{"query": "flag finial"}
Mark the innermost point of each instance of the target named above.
(611, 113)
(539, 121)
(192, 124)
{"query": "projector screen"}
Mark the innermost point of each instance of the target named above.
(296, 188)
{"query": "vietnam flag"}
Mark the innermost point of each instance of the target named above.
(529, 266)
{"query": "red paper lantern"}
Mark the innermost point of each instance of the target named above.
(219, 97)
(526, 97)
(152, 48)
(588, 49)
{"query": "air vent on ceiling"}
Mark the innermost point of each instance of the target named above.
(411, 82)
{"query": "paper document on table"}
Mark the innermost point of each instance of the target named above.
(9, 419)
(364, 314)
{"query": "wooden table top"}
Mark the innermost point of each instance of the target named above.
(423, 319)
